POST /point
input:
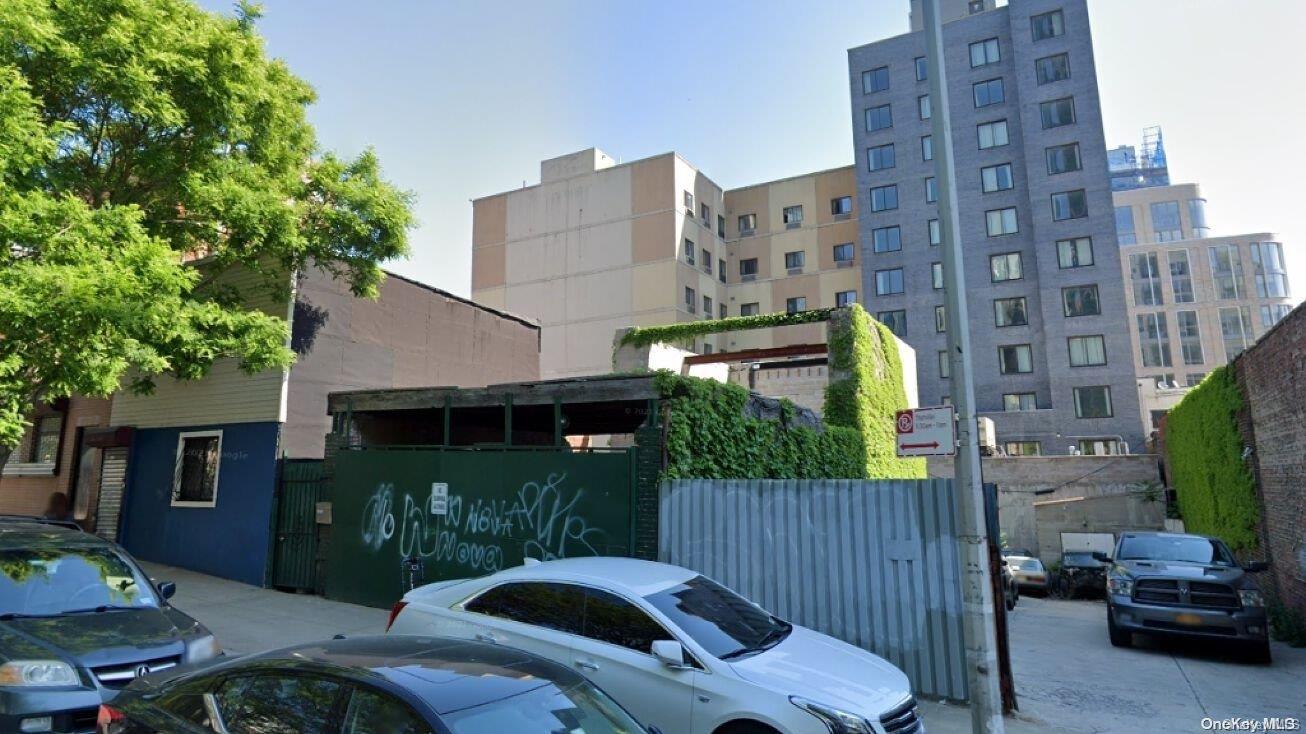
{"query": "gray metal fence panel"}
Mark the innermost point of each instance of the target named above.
(873, 563)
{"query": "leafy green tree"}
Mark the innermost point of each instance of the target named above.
(147, 147)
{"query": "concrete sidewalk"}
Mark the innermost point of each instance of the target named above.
(248, 619)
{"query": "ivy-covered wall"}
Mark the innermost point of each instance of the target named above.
(1214, 486)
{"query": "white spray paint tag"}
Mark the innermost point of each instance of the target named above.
(439, 498)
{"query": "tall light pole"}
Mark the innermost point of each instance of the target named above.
(979, 625)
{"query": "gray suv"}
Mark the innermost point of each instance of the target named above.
(1185, 585)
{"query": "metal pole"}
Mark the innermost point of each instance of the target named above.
(977, 595)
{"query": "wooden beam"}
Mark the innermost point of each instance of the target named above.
(795, 350)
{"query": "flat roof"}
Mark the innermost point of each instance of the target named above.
(596, 389)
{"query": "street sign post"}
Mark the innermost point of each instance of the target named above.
(926, 431)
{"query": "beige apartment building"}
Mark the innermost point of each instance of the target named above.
(598, 246)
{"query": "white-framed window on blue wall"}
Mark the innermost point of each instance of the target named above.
(195, 478)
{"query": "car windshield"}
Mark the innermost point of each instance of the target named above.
(45, 582)
(582, 709)
(1079, 559)
(1031, 564)
(723, 622)
(1177, 548)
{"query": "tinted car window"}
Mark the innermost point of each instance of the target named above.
(370, 712)
(724, 623)
(582, 709)
(273, 704)
(1184, 549)
(1032, 564)
(554, 606)
(609, 618)
(1079, 560)
(61, 580)
(187, 703)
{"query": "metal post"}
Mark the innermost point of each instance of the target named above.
(977, 594)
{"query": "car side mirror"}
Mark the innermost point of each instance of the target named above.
(166, 589)
(1256, 567)
(1101, 557)
(671, 653)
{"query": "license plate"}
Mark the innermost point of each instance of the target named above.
(1188, 619)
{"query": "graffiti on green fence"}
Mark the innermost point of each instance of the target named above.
(542, 520)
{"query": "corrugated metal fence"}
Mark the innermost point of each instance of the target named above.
(873, 563)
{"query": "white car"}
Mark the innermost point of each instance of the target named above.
(684, 654)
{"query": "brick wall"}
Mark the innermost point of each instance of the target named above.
(1272, 375)
(648, 460)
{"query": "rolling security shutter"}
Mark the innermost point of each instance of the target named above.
(113, 474)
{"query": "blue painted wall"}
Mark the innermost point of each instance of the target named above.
(229, 540)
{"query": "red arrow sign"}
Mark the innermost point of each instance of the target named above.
(930, 445)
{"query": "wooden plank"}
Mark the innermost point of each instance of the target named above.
(794, 350)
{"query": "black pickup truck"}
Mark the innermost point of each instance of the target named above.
(1186, 585)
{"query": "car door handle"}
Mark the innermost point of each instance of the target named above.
(487, 637)
(587, 665)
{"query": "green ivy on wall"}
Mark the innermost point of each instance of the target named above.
(1215, 489)
(684, 331)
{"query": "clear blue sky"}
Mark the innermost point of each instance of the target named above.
(463, 99)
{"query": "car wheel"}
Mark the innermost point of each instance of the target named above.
(1259, 652)
(1011, 602)
(745, 727)
(1119, 637)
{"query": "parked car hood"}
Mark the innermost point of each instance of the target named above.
(99, 638)
(828, 671)
(1181, 570)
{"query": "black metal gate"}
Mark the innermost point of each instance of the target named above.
(303, 485)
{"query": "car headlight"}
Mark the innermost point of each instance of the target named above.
(1120, 585)
(1251, 598)
(202, 648)
(840, 722)
(37, 673)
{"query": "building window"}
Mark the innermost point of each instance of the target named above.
(1015, 359)
(691, 300)
(795, 260)
(983, 53)
(721, 270)
(1000, 221)
(988, 92)
(923, 108)
(944, 367)
(793, 215)
(1166, 225)
(1236, 329)
(1125, 226)
(878, 118)
(1010, 312)
(707, 261)
(884, 198)
(1197, 218)
(1154, 340)
(936, 232)
(1093, 402)
(689, 202)
(690, 251)
(749, 309)
(844, 253)
(1194, 379)
(895, 320)
(1063, 159)
(705, 213)
(1146, 277)
(880, 157)
(936, 276)
(1080, 300)
(195, 481)
(1023, 448)
(43, 447)
(940, 319)
(721, 311)
(1052, 68)
(927, 147)
(1074, 253)
(845, 298)
(875, 80)
(888, 282)
(795, 305)
(1190, 337)
(1069, 205)
(841, 206)
(720, 226)
(747, 224)
(886, 239)
(922, 71)
(1098, 446)
(1273, 313)
(1226, 271)
(992, 134)
(1006, 266)
(1087, 351)
(1271, 276)
(1014, 401)
(707, 307)
(1047, 25)
(931, 190)
(748, 268)
(996, 178)
(1057, 112)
